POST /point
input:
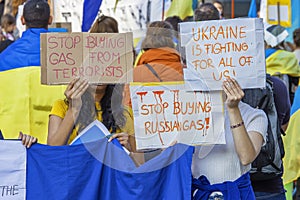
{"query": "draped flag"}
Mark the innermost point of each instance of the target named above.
(100, 170)
(252, 10)
(291, 141)
(25, 103)
(90, 11)
(181, 8)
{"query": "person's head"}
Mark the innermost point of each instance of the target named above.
(159, 34)
(36, 14)
(174, 21)
(296, 37)
(188, 19)
(219, 5)
(8, 23)
(105, 24)
(206, 11)
(274, 35)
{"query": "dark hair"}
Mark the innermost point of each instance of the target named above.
(36, 13)
(7, 20)
(111, 107)
(174, 21)
(159, 34)
(105, 24)
(188, 19)
(296, 37)
(111, 103)
(206, 11)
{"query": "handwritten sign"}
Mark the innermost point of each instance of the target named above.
(98, 57)
(163, 114)
(12, 170)
(219, 49)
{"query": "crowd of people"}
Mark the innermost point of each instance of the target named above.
(224, 173)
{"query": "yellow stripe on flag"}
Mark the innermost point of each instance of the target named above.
(25, 104)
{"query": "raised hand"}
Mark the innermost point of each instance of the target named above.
(233, 91)
(74, 91)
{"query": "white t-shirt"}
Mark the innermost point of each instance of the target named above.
(297, 54)
(220, 163)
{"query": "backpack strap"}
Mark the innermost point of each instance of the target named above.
(153, 71)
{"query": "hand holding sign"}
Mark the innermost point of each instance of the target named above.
(234, 92)
(74, 91)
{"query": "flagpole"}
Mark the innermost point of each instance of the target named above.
(278, 12)
(232, 8)
(163, 10)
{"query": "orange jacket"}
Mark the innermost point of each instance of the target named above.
(165, 61)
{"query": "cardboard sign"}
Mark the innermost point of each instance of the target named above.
(12, 170)
(279, 12)
(163, 114)
(98, 57)
(218, 49)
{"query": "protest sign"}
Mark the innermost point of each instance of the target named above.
(97, 57)
(12, 170)
(218, 49)
(165, 113)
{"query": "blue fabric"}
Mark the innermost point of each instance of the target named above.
(295, 12)
(252, 10)
(57, 30)
(269, 52)
(23, 52)
(195, 4)
(270, 196)
(238, 189)
(296, 102)
(100, 170)
(90, 11)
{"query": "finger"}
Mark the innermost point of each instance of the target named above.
(68, 92)
(173, 143)
(25, 139)
(226, 88)
(112, 137)
(31, 141)
(20, 135)
(80, 91)
(72, 83)
(239, 89)
(234, 90)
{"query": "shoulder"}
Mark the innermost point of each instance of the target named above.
(255, 120)
(251, 115)
(59, 108)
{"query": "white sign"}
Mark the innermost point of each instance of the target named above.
(218, 49)
(133, 15)
(12, 170)
(163, 114)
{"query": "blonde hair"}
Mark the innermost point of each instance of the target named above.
(159, 34)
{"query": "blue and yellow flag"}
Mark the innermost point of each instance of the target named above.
(100, 170)
(291, 141)
(25, 103)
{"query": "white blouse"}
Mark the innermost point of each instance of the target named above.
(220, 163)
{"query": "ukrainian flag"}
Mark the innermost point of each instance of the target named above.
(291, 141)
(25, 103)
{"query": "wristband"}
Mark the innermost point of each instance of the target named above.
(237, 125)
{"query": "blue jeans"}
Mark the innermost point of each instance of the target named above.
(269, 196)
